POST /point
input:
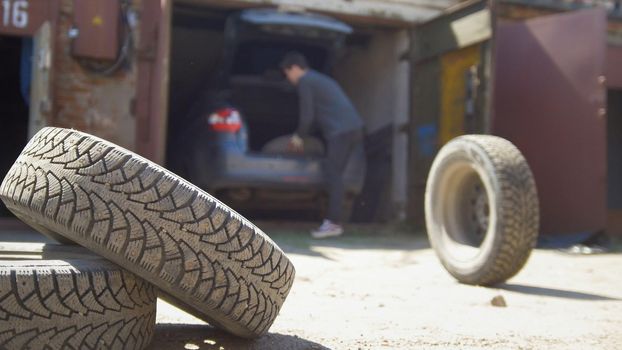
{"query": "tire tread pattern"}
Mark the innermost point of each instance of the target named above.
(208, 259)
(74, 304)
(518, 212)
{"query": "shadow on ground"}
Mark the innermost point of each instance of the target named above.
(204, 337)
(552, 292)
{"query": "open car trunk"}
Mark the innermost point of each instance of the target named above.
(368, 65)
(269, 108)
(258, 41)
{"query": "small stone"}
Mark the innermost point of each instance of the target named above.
(498, 301)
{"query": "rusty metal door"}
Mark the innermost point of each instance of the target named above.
(549, 99)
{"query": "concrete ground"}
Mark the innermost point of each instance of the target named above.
(378, 289)
(383, 288)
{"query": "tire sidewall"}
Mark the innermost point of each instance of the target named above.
(468, 152)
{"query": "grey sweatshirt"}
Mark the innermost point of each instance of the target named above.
(322, 100)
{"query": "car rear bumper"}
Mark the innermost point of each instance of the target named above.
(215, 169)
(261, 171)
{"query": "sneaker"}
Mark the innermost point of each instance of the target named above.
(327, 229)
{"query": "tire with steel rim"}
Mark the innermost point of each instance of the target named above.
(204, 257)
(73, 303)
(481, 209)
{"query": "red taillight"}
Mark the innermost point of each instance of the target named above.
(225, 120)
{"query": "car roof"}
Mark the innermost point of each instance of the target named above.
(275, 17)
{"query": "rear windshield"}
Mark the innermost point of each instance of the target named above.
(261, 58)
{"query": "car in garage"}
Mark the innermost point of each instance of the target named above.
(237, 137)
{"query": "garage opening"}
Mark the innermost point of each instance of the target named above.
(614, 160)
(197, 39)
(205, 69)
(15, 57)
(210, 74)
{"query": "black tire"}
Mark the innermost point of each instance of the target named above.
(204, 257)
(74, 304)
(481, 209)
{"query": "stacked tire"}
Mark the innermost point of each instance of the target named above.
(74, 303)
(199, 254)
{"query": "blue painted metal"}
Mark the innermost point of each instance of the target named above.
(427, 137)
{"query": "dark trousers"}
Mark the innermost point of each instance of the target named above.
(340, 149)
